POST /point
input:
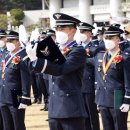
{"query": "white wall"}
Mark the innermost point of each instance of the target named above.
(101, 12)
(70, 3)
(100, 2)
(32, 17)
(101, 17)
(73, 11)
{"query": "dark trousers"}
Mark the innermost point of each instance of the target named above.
(34, 85)
(92, 122)
(13, 118)
(1, 122)
(67, 124)
(42, 87)
(113, 119)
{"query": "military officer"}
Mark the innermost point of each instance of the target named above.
(85, 33)
(50, 32)
(126, 42)
(42, 35)
(45, 77)
(3, 53)
(88, 87)
(15, 85)
(66, 105)
(36, 37)
(127, 32)
(124, 39)
(112, 70)
(100, 36)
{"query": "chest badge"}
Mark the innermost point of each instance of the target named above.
(45, 51)
(99, 69)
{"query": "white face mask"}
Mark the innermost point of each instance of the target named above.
(10, 46)
(2, 43)
(61, 37)
(99, 38)
(83, 37)
(109, 44)
(123, 35)
(128, 39)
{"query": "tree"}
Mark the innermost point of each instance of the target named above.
(3, 21)
(31, 27)
(127, 0)
(17, 16)
(6, 5)
(1, 6)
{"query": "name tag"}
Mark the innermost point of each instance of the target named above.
(99, 60)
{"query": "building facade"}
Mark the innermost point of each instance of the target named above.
(86, 10)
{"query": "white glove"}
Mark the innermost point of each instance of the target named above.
(22, 106)
(125, 107)
(31, 52)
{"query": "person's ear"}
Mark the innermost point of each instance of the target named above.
(118, 39)
(73, 31)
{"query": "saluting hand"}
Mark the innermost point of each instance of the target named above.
(125, 107)
(31, 52)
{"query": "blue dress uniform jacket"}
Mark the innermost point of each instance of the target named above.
(88, 73)
(101, 43)
(16, 77)
(117, 77)
(65, 93)
(125, 46)
(88, 80)
(3, 53)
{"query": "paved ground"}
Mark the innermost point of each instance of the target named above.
(36, 119)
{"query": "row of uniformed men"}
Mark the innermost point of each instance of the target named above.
(72, 93)
(11, 57)
(71, 104)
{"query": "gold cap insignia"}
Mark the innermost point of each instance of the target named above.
(58, 16)
(81, 24)
(7, 31)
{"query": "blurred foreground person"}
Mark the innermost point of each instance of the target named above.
(88, 80)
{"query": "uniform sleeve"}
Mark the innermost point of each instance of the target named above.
(96, 49)
(74, 61)
(91, 61)
(127, 80)
(25, 82)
